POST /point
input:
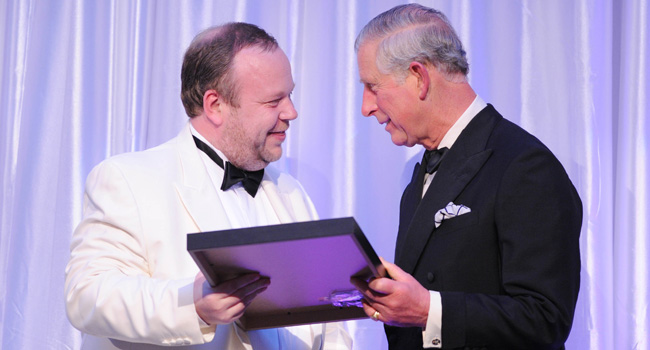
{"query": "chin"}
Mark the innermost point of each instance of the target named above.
(400, 142)
(399, 138)
(269, 157)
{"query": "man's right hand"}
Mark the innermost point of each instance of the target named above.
(227, 301)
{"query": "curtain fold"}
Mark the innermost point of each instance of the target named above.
(84, 80)
(631, 253)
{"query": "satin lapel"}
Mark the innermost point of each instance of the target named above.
(277, 200)
(462, 162)
(196, 191)
(409, 203)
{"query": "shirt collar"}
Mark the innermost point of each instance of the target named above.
(200, 137)
(450, 137)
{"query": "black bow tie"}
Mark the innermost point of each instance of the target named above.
(233, 175)
(432, 159)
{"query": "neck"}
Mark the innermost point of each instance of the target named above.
(459, 97)
(445, 105)
(206, 128)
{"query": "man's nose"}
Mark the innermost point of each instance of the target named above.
(369, 103)
(289, 112)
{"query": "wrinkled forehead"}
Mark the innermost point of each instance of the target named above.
(367, 58)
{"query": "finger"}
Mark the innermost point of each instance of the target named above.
(368, 307)
(382, 286)
(371, 311)
(388, 286)
(359, 284)
(220, 308)
(248, 299)
(395, 271)
(249, 294)
(367, 289)
(238, 309)
(246, 294)
(232, 285)
(252, 288)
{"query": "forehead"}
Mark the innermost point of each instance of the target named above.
(262, 72)
(367, 61)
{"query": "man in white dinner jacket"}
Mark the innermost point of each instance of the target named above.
(130, 283)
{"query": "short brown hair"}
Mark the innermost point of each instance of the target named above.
(208, 62)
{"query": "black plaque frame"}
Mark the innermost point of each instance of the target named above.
(306, 262)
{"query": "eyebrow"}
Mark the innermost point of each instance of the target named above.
(278, 95)
(369, 85)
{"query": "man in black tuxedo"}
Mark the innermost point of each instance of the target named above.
(487, 254)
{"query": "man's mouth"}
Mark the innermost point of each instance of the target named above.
(281, 128)
(278, 135)
(383, 122)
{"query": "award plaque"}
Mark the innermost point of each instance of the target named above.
(309, 263)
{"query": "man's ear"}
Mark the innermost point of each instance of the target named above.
(421, 73)
(213, 106)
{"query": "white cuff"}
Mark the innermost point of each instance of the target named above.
(432, 334)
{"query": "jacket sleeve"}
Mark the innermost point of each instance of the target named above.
(109, 291)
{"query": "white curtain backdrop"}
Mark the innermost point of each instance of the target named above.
(83, 80)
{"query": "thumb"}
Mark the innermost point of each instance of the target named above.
(394, 271)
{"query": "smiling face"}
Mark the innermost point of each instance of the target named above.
(254, 131)
(394, 103)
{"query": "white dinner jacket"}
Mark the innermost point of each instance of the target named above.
(129, 275)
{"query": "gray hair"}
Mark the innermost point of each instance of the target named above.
(413, 32)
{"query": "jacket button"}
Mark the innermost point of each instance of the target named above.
(431, 277)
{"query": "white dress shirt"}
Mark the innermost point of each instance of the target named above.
(432, 333)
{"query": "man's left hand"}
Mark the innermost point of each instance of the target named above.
(401, 301)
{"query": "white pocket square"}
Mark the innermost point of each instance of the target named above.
(450, 211)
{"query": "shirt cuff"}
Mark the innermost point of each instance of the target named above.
(432, 334)
(207, 331)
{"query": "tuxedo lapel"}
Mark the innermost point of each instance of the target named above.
(279, 202)
(444, 188)
(410, 201)
(196, 190)
(462, 162)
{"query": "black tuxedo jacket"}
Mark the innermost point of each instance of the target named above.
(508, 271)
